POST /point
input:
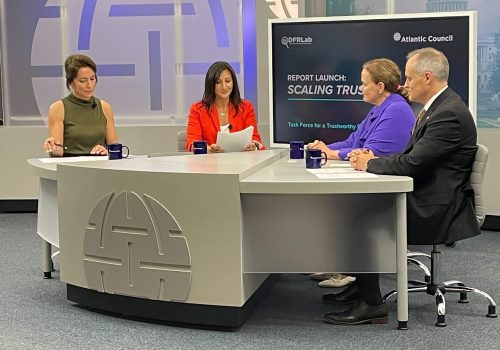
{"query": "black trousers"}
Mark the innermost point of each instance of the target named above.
(369, 287)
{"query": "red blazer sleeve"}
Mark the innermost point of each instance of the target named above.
(204, 124)
(200, 126)
(244, 119)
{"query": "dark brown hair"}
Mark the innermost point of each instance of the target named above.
(213, 75)
(73, 63)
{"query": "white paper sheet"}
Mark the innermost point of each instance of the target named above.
(235, 141)
(326, 170)
(341, 173)
(72, 159)
(357, 175)
(339, 165)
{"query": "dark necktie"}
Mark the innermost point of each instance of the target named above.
(419, 118)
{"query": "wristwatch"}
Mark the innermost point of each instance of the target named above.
(257, 145)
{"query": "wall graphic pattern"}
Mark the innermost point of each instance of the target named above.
(151, 57)
(153, 54)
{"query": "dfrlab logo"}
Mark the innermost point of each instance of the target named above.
(295, 40)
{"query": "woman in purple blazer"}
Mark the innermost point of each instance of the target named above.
(385, 130)
(387, 127)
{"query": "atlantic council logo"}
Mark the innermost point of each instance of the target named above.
(397, 36)
(296, 40)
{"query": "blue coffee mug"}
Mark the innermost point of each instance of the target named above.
(115, 151)
(296, 149)
(200, 147)
(315, 158)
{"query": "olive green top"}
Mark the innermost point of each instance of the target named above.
(84, 125)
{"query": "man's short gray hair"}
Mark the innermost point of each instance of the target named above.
(428, 59)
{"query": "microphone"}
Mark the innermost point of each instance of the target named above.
(94, 105)
(230, 127)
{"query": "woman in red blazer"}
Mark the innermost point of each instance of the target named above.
(221, 109)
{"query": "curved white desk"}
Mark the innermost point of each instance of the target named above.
(48, 217)
(192, 238)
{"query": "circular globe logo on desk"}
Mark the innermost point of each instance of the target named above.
(134, 246)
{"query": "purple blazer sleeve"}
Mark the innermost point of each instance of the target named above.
(385, 130)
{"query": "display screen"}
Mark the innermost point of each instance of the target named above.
(316, 67)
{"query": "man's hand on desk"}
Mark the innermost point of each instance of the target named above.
(359, 158)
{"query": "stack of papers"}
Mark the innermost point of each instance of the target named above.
(235, 141)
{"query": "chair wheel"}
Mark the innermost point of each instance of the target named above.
(441, 322)
(463, 298)
(492, 312)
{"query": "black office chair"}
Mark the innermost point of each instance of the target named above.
(433, 284)
(411, 257)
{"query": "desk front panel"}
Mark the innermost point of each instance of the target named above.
(319, 232)
(154, 235)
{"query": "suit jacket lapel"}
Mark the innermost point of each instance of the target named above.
(428, 114)
(432, 108)
(422, 122)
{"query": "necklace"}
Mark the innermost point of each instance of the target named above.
(224, 110)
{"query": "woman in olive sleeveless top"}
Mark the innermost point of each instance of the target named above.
(80, 124)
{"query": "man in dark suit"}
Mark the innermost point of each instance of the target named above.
(439, 158)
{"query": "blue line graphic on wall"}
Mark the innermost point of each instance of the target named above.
(116, 70)
(88, 14)
(155, 92)
(86, 20)
(104, 70)
(219, 23)
(187, 9)
(201, 68)
(50, 12)
(141, 10)
(46, 71)
(132, 10)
